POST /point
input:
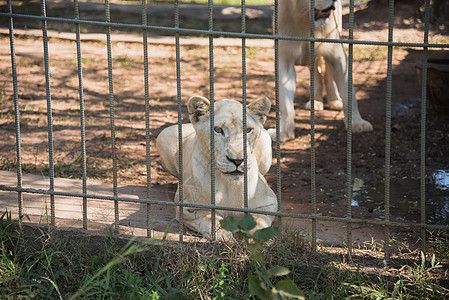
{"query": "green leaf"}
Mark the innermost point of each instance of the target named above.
(248, 223)
(265, 234)
(288, 288)
(245, 234)
(255, 247)
(423, 260)
(278, 271)
(229, 224)
(255, 287)
(54, 285)
(396, 290)
(202, 267)
(257, 257)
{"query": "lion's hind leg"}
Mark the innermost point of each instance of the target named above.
(333, 97)
(319, 71)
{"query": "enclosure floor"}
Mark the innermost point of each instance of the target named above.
(133, 216)
(100, 213)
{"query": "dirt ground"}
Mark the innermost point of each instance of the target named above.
(368, 149)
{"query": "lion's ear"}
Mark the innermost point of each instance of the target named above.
(197, 106)
(260, 108)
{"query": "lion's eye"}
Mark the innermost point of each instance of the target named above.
(218, 130)
(249, 130)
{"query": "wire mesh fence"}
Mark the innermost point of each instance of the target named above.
(210, 35)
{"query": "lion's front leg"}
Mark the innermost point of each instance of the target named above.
(333, 96)
(262, 221)
(270, 205)
(287, 88)
(201, 220)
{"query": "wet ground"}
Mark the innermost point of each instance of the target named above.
(405, 204)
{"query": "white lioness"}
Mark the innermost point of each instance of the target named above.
(294, 20)
(228, 160)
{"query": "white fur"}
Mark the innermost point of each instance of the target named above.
(294, 20)
(229, 188)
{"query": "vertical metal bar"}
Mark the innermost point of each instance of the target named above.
(312, 122)
(423, 127)
(212, 119)
(16, 112)
(388, 130)
(147, 113)
(178, 93)
(49, 113)
(349, 134)
(83, 126)
(111, 108)
(276, 90)
(245, 137)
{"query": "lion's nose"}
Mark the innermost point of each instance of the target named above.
(236, 162)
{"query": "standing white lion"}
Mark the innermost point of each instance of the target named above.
(294, 20)
(229, 162)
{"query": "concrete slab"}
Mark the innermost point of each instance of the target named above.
(100, 213)
(133, 216)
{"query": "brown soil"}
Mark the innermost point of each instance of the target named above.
(368, 149)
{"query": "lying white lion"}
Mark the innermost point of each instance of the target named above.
(228, 159)
(294, 20)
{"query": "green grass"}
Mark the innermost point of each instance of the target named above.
(42, 263)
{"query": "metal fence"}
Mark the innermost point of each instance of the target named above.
(211, 33)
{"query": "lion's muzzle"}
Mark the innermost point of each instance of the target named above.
(237, 163)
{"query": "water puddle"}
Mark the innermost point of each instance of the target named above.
(405, 198)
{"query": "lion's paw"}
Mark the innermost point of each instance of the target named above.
(336, 104)
(318, 105)
(224, 235)
(284, 137)
(362, 126)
